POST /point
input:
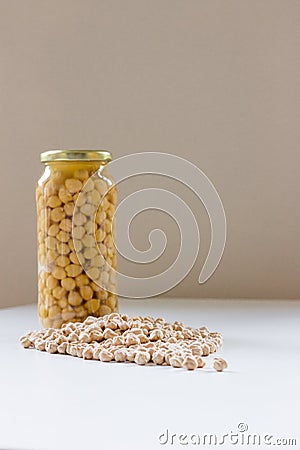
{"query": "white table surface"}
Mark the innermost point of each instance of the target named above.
(60, 402)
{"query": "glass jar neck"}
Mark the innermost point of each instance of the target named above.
(75, 165)
(61, 170)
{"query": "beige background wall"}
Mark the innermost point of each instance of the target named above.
(216, 82)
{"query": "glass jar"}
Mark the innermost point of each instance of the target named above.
(76, 201)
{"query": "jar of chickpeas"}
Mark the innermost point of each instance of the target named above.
(76, 201)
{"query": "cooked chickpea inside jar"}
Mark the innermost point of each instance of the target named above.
(69, 240)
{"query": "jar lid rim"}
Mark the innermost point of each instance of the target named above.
(75, 155)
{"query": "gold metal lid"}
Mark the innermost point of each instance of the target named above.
(76, 155)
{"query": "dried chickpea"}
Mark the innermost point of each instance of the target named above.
(205, 350)
(62, 348)
(40, 344)
(132, 339)
(88, 353)
(142, 358)
(176, 361)
(158, 358)
(118, 340)
(200, 362)
(131, 353)
(190, 363)
(26, 342)
(96, 353)
(109, 334)
(121, 338)
(120, 355)
(106, 356)
(51, 347)
(220, 364)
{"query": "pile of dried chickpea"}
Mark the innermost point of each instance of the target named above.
(66, 292)
(118, 337)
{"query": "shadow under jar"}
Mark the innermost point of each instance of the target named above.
(76, 200)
